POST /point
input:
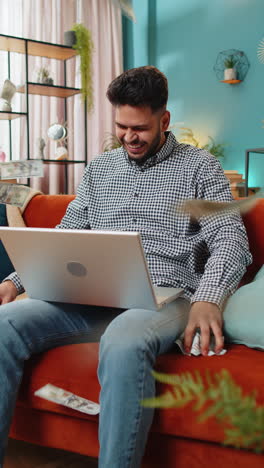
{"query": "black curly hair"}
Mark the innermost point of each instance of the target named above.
(139, 87)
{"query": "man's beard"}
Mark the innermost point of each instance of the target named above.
(151, 151)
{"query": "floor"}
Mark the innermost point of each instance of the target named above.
(22, 455)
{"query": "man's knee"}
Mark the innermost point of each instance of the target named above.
(127, 337)
(12, 343)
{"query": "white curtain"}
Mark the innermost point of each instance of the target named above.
(11, 24)
(46, 20)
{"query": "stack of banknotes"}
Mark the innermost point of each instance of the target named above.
(15, 194)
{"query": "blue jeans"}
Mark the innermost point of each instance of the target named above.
(130, 341)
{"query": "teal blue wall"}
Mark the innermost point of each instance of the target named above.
(183, 38)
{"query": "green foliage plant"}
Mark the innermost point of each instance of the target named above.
(43, 76)
(216, 149)
(242, 418)
(110, 142)
(84, 46)
(188, 137)
(230, 62)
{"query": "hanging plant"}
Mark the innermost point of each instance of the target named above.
(84, 46)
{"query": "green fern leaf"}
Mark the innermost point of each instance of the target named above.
(242, 418)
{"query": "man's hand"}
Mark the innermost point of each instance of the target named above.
(208, 318)
(8, 292)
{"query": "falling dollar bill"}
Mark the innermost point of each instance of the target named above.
(16, 169)
(70, 400)
(196, 346)
(197, 208)
(13, 194)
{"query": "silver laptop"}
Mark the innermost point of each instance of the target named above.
(103, 268)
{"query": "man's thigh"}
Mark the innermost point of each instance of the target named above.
(134, 326)
(43, 325)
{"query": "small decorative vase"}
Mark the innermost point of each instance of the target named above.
(2, 155)
(40, 148)
(230, 74)
(69, 38)
(5, 106)
(61, 153)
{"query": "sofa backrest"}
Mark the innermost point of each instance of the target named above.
(47, 211)
(254, 222)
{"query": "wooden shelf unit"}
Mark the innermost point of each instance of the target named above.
(48, 90)
(61, 161)
(231, 81)
(37, 48)
(11, 115)
(12, 44)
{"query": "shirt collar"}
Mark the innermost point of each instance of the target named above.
(164, 152)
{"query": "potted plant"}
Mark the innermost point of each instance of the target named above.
(80, 38)
(43, 76)
(110, 142)
(230, 71)
(216, 149)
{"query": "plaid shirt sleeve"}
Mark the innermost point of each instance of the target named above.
(226, 239)
(16, 280)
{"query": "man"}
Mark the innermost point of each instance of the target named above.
(135, 188)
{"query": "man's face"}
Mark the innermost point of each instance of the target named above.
(140, 130)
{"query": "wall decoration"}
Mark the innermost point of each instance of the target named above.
(231, 66)
(260, 51)
(230, 72)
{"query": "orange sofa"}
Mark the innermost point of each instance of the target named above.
(176, 438)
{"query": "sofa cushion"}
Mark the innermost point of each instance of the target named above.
(71, 367)
(74, 367)
(6, 266)
(244, 313)
(254, 223)
(260, 273)
(183, 422)
(46, 210)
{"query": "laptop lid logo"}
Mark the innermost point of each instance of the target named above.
(76, 269)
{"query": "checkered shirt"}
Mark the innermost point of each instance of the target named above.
(206, 259)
